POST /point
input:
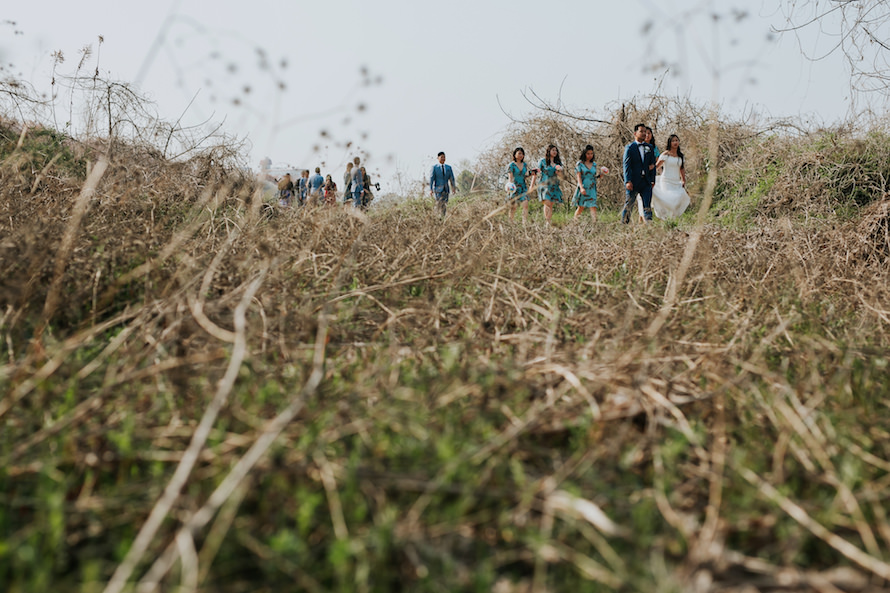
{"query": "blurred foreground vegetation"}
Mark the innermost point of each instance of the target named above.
(395, 402)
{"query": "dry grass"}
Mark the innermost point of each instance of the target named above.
(228, 397)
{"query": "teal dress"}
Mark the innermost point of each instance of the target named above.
(548, 188)
(517, 175)
(588, 180)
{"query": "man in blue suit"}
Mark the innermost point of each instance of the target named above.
(639, 174)
(440, 177)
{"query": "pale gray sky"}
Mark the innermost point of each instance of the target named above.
(437, 74)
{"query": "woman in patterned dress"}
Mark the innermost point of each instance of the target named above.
(586, 174)
(367, 196)
(330, 191)
(517, 173)
(548, 188)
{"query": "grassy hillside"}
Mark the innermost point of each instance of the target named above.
(293, 401)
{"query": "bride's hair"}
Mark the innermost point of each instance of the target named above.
(679, 152)
(583, 156)
(556, 159)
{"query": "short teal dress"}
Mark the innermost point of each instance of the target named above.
(588, 180)
(517, 175)
(548, 187)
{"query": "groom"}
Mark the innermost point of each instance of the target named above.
(639, 174)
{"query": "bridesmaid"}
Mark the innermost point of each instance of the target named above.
(650, 140)
(548, 188)
(517, 173)
(586, 175)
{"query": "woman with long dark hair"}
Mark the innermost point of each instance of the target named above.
(285, 190)
(669, 197)
(548, 188)
(367, 196)
(517, 174)
(586, 174)
(330, 191)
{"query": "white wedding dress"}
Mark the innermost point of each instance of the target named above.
(669, 197)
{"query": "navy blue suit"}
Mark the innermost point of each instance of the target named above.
(639, 170)
(441, 184)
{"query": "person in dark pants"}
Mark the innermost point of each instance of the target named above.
(303, 187)
(285, 190)
(347, 184)
(316, 187)
(639, 174)
(368, 195)
(358, 183)
(440, 178)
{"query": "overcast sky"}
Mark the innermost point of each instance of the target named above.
(403, 79)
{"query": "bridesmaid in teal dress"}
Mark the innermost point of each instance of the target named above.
(548, 188)
(586, 174)
(517, 173)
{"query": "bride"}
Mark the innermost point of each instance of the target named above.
(669, 197)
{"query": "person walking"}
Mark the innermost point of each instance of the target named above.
(548, 188)
(669, 197)
(586, 174)
(315, 187)
(330, 191)
(442, 184)
(285, 190)
(517, 173)
(368, 195)
(358, 183)
(639, 174)
(303, 187)
(347, 184)
(650, 140)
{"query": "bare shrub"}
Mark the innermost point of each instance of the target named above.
(234, 393)
(873, 230)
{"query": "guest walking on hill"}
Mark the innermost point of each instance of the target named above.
(358, 183)
(548, 188)
(442, 184)
(517, 174)
(639, 174)
(586, 174)
(285, 190)
(330, 191)
(347, 184)
(315, 187)
(303, 187)
(368, 196)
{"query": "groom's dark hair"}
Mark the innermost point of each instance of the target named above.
(638, 126)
